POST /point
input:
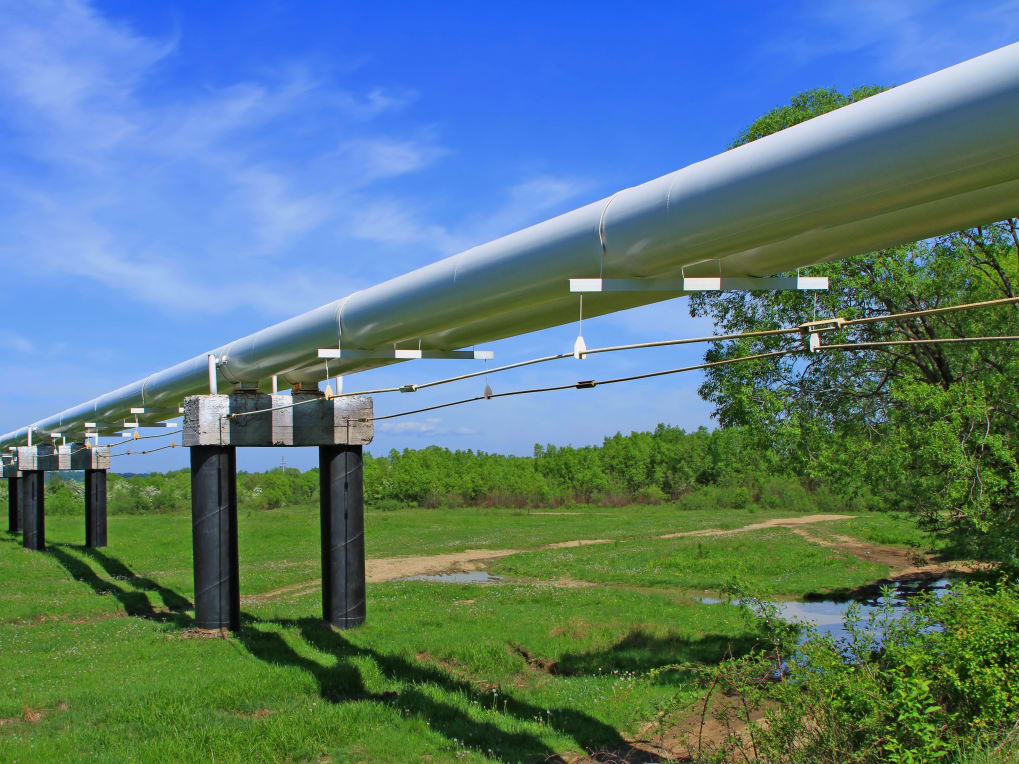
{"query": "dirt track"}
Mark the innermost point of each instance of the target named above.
(391, 568)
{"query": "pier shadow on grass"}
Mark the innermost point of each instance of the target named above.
(639, 652)
(341, 681)
(133, 599)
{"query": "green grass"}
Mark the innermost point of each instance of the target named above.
(96, 641)
(890, 529)
(773, 561)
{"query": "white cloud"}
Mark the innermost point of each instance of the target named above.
(431, 426)
(383, 157)
(193, 197)
(212, 198)
(10, 340)
(906, 37)
(398, 222)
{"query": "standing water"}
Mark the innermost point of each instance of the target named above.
(469, 577)
(828, 616)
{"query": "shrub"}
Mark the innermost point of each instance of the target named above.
(651, 494)
(786, 494)
(944, 680)
(388, 505)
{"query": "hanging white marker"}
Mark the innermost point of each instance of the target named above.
(814, 342)
(579, 348)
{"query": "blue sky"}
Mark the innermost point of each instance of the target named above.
(176, 175)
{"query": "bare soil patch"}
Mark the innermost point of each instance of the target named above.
(903, 564)
(777, 522)
(575, 543)
(392, 568)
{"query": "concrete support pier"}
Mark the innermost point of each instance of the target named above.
(95, 508)
(214, 426)
(13, 509)
(214, 531)
(342, 508)
(32, 501)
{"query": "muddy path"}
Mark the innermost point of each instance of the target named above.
(903, 564)
(392, 568)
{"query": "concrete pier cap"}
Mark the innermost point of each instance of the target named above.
(84, 457)
(9, 466)
(267, 419)
(52, 458)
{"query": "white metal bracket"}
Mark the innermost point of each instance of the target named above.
(701, 284)
(395, 354)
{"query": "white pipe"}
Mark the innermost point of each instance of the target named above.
(932, 156)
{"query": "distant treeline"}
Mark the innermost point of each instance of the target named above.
(725, 466)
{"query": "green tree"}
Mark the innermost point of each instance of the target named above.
(837, 417)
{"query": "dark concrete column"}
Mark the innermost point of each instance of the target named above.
(32, 502)
(13, 509)
(95, 508)
(214, 531)
(342, 507)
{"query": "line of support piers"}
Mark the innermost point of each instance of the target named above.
(338, 427)
(26, 505)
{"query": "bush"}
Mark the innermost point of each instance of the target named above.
(944, 681)
(786, 494)
(388, 505)
(651, 494)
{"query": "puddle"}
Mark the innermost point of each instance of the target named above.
(828, 616)
(469, 577)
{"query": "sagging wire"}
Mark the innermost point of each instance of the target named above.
(129, 452)
(585, 384)
(532, 362)
(140, 437)
(932, 311)
(823, 325)
(939, 341)
(591, 383)
(814, 328)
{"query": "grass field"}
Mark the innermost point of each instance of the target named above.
(97, 661)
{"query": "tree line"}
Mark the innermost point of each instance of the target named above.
(726, 467)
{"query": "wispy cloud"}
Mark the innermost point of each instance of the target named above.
(192, 198)
(906, 38)
(430, 426)
(10, 340)
(212, 198)
(400, 222)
